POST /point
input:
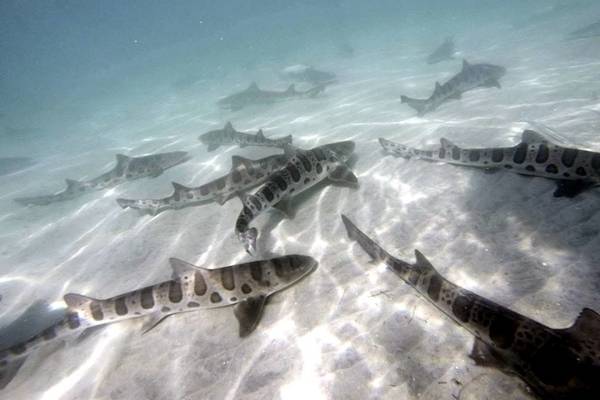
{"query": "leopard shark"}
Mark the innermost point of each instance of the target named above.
(127, 169)
(246, 287)
(555, 363)
(244, 175)
(308, 74)
(229, 136)
(253, 95)
(304, 169)
(443, 52)
(592, 30)
(471, 76)
(536, 155)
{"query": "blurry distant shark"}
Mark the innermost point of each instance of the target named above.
(444, 52)
(308, 74)
(555, 363)
(592, 30)
(471, 76)
(253, 95)
(246, 287)
(228, 136)
(8, 165)
(304, 169)
(536, 155)
(244, 175)
(127, 169)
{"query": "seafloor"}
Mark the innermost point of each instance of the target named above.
(351, 330)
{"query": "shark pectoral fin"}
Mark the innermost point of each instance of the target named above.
(152, 321)
(485, 356)
(285, 207)
(343, 174)
(220, 198)
(212, 146)
(248, 313)
(493, 83)
(570, 189)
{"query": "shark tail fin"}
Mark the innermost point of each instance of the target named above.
(396, 149)
(417, 104)
(248, 238)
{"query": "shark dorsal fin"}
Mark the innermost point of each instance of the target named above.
(181, 268)
(465, 65)
(438, 88)
(253, 86)
(289, 150)
(72, 183)
(422, 263)
(260, 134)
(530, 136)
(237, 161)
(291, 89)
(587, 324)
(228, 127)
(248, 313)
(178, 187)
(446, 143)
(122, 159)
(77, 302)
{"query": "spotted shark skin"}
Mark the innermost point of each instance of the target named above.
(245, 174)
(472, 76)
(443, 52)
(229, 136)
(574, 169)
(127, 169)
(555, 363)
(253, 95)
(304, 169)
(246, 287)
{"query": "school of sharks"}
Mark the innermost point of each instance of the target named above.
(555, 363)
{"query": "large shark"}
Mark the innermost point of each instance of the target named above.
(304, 169)
(127, 169)
(589, 31)
(244, 175)
(253, 95)
(555, 363)
(8, 165)
(308, 74)
(443, 52)
(246, 287)
(536, 155)
(471, 76)
(229, 136)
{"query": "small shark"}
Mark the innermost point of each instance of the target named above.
(308, 74)
(589, 31)
(127, 169)
(245, 286)
(229, 136)
(244, 175)
(471, 76)
(555, 363)
(8, 165)
(304, 169)
(444, 52)
(253, 95)
(536, 155)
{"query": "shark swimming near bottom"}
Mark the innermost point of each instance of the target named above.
(471, 76)
(243, 176)
(589, 31)
(253, 95)
(304, 169)
(536, 155)
(555, 363)
(443, 52)
(245, 287)
(229, 136)
(127, 169)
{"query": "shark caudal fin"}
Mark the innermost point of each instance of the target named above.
(395, 149)
(416, 104)
(248, 238)
(313, 92)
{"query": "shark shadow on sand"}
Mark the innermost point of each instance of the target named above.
(253, 95)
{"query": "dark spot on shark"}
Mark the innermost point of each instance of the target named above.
(199, 284)
(96, 310)
(306, 180)
(176, 196)
(455, 153)
(268, 194)
(474, 155)
(320, 154)
(462, 308)
(530, 168)
(435, 285)
(294, 173)
(215, 297)
(256, 271)
(542, 154)
(147, 298)
(551, 169)
(227, 278)
(319, 168)
(255, 202)
(120, 306)
(581, 171)
(596, 163)
(165, 309)
(236, 176)
(566, 174)
(220, 184)
(502, 330)
(442, 153)
(508, 166)
(280, 182)
(18, 349)
(204, 190)
(569, 156)
(73, 320)
(305, 162)
(246, 288)
(49, 333)
(520, 153)
(497, 155)
(175, 293)
(554, 364)
(193, 304)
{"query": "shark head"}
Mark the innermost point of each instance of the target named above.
(292, 268)
(342, 150)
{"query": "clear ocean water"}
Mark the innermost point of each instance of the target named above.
(82, 81)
